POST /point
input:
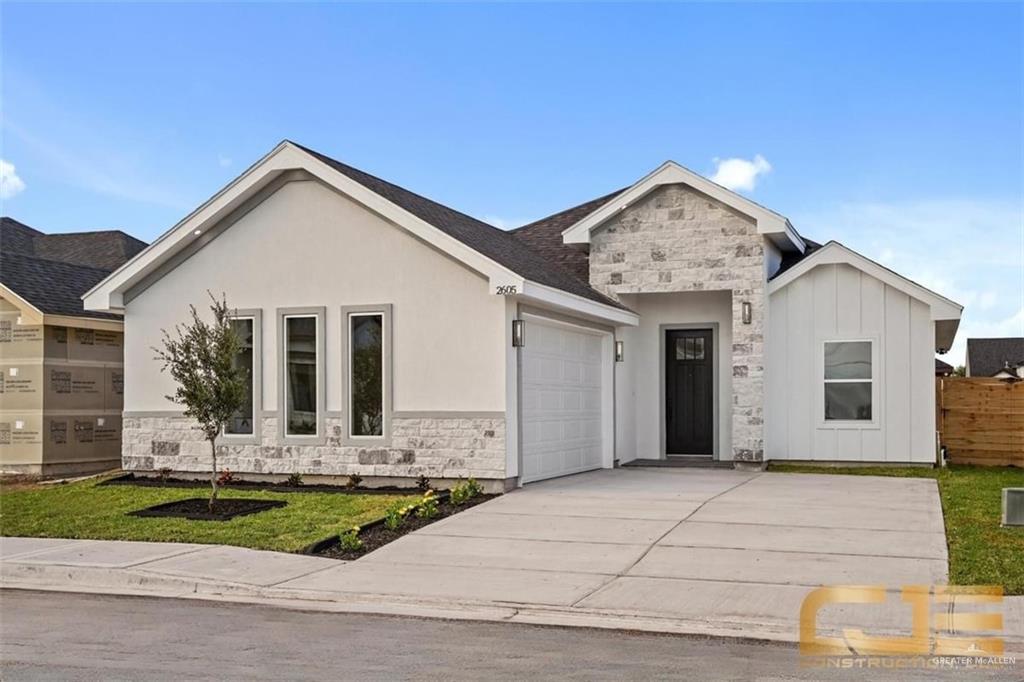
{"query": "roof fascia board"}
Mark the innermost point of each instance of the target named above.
(26, 309)
(540, 293)
(835, 253)
(83, 323)
(155, 273)
(670, 173)
(108, 295)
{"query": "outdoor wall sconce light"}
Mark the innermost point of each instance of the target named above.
(518, 333)
(620, 353)
(748, 312)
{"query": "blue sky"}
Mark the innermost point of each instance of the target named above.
(896, 129)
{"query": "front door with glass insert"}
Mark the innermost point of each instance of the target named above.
(689, 392)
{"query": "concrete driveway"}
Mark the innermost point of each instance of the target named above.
(706, 552)
(685, 544)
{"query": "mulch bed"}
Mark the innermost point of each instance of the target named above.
(375, 534)
(153, 482)
(198, 509)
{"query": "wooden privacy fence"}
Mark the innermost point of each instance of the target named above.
(981, 421)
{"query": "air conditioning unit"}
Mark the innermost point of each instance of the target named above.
(1013, 506)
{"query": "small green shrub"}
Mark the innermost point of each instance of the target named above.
(294, 480)
(350, 540)
(395, 515)
(465, 491)
(427, 507)
(459, 494)
(353, 481)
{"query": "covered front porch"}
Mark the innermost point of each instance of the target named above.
(674, 385)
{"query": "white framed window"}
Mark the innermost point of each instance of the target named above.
(245, 424)
(301, 385)
(850, 381)
(366, 354)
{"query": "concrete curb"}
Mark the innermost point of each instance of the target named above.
(139, 583)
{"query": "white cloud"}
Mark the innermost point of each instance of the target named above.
(739, 173)
(10, 183)
(223, 161)
(969, 250)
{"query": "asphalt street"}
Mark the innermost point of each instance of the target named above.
(58, 636)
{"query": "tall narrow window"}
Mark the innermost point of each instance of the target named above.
(242, 422)
(366, 368)
(848, 380)
(300, 387)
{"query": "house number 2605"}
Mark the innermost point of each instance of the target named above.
(505, 289)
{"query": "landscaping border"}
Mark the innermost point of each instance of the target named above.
(323, 547)
(153, 482)
(333, 540)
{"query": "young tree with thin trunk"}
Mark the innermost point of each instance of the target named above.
(201, 358)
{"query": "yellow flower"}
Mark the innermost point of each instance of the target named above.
(355, 528)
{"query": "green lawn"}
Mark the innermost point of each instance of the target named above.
(87, 510)
(980, 552)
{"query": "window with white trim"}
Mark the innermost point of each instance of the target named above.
(848, 380)
(242, 423)
(366, 372)
(300, 390)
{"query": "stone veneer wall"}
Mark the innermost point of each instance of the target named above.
(437, 448)
(675, 240)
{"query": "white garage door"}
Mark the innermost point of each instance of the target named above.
(562, 376)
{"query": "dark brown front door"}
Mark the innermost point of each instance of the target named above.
(689, 387)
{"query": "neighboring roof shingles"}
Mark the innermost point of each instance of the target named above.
(545, 236)
(17, 237)
(985, 357)
(943, 368)
(53, 287)
(498, 245)
(106, 249)
(52, 271)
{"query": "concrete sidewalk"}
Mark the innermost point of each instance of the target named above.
(717, 553)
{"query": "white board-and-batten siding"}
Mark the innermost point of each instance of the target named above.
(837, 302)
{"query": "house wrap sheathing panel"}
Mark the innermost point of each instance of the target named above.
(61, 394)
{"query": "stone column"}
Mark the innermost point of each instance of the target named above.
(748, 376)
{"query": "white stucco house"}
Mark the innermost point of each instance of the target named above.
(390, 336)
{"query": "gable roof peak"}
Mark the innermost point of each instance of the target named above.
(769, 223)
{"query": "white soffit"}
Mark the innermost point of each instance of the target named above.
(769, 223)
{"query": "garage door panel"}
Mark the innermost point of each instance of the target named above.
(562, 401)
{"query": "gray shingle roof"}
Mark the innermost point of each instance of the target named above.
(545, 236)
(106, 249)
(53, 287)
(52, 271)
(985, 357)
(498, 245)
